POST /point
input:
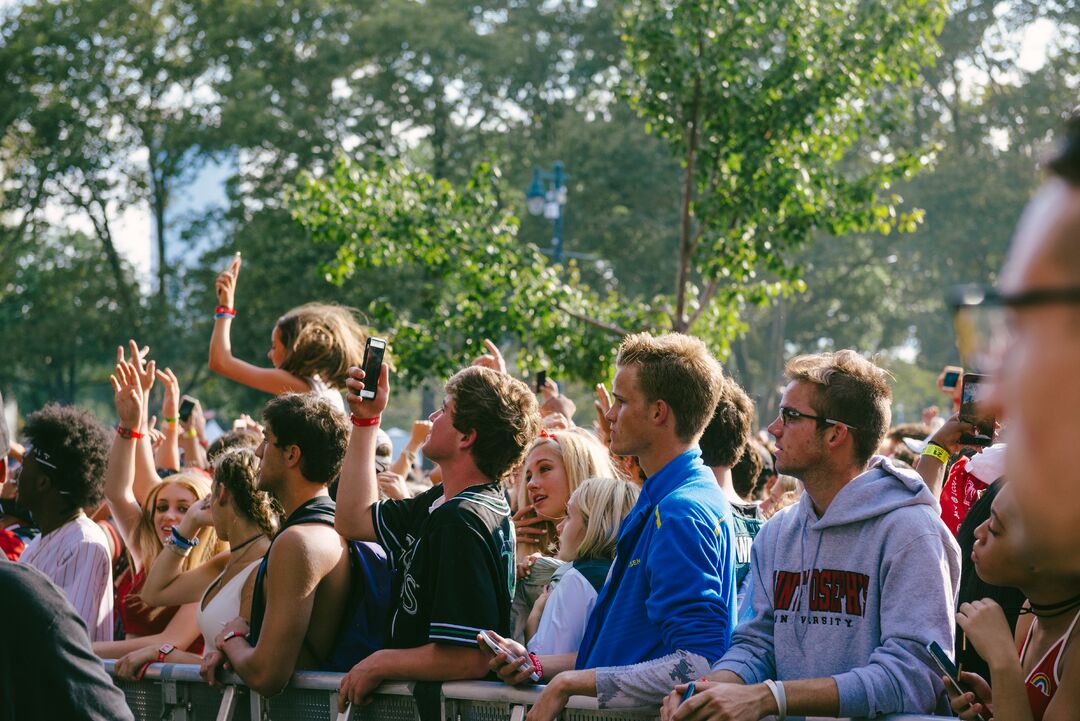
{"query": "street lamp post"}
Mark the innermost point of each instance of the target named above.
(548, 199)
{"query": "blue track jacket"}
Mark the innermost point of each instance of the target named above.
(672, 585)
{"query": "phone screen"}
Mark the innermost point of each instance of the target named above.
(943, 661)
(972, 410)
(187, 405)
(951, 379)
(541, 380)
(373, 359)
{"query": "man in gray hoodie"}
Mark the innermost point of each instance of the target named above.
(851, 583)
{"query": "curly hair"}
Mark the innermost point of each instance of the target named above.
(79, 448)
(237, 471)
(322, 339)
(849, 389)
(319, 429)
(679, 370)
(724, 440)
(233, 439)
(503, 412)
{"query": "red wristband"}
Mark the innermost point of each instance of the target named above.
(128, 433)
(364, 422)
(225, 309)
(537, 666)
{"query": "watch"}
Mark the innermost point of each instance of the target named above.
(165, 650)
(231, 635)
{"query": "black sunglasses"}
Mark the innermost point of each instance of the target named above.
(790, 415)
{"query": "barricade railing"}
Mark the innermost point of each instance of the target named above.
(177, 692)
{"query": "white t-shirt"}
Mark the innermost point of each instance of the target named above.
(76, 558)
(567, 611)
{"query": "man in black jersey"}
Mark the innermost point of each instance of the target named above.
(452, 547)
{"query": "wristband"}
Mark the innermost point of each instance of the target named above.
(171, 421)
(224, 311)
(936, 450)
(182, 552)
(184, 542)
(777, 688)
(536, 664)
(364, 422)
(128, 433)
(231, 635)
(191, 433)
(165, 650)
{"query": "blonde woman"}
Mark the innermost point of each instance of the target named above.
(557, 463)
(311, 347)
(222, 587)
(146, 528)
(587, 538)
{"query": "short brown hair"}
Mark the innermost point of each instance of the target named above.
(724, 439)
(318, 428)
(679, 370)
(849, 389)
(503, 412)
(322, 339)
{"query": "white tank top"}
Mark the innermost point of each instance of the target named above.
(322, 390)
(223, 607)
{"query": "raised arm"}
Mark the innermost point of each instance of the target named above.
(165, 584)
(358, 487)
(420, 430)
(223, 362)
(931, 467)
(168, 456)
(146, 476)
(120, 471)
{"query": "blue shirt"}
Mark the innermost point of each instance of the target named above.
(672, 585)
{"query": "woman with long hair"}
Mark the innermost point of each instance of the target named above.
(146, 528)
(556, 464)
(311, 347)
(221, 588)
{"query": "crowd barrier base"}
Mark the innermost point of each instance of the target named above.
(177, 692)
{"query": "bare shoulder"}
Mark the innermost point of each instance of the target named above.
(312, 544)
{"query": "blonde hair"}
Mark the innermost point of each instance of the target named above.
(145, 538)
(602, 503)
(582, 456)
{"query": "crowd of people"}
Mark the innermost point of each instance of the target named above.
(664, 554)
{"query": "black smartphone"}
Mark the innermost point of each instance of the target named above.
(373, 358)
(948, 668)
(187, 405)
(951, 378)
(972, 411)
(541, 380)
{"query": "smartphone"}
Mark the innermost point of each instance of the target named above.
(373, 358)
(951, 377)
(690, 688)
(971, 410)
(541, 381)
(949, 669)
(495, 648)
(187, 405)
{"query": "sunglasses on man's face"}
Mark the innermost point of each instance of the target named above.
(790, 415)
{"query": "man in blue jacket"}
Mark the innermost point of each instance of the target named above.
(671, 591)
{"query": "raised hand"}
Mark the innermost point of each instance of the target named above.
(360, 407)
(170, 404)
(145, 371)
(225, 285)
(128, 395)
(602, 405)
(493, 359)
(420, 430)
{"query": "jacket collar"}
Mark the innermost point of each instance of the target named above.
(671, 476)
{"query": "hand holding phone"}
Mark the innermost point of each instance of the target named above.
(973, 410)
(492, 645)
(373, 360)
(951, 672)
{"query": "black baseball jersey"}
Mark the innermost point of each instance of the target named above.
(453, 565)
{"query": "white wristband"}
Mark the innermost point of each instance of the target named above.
(777, 688)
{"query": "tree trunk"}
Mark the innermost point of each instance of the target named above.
(686, 248)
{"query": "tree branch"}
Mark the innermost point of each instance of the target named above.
(594, 322)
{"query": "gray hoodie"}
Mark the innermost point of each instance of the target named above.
(856, 595)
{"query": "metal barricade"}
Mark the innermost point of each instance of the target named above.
(178, 693)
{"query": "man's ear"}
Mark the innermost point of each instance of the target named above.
(292, 455)
(836, 435)
(661, 411)
(467, 440)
